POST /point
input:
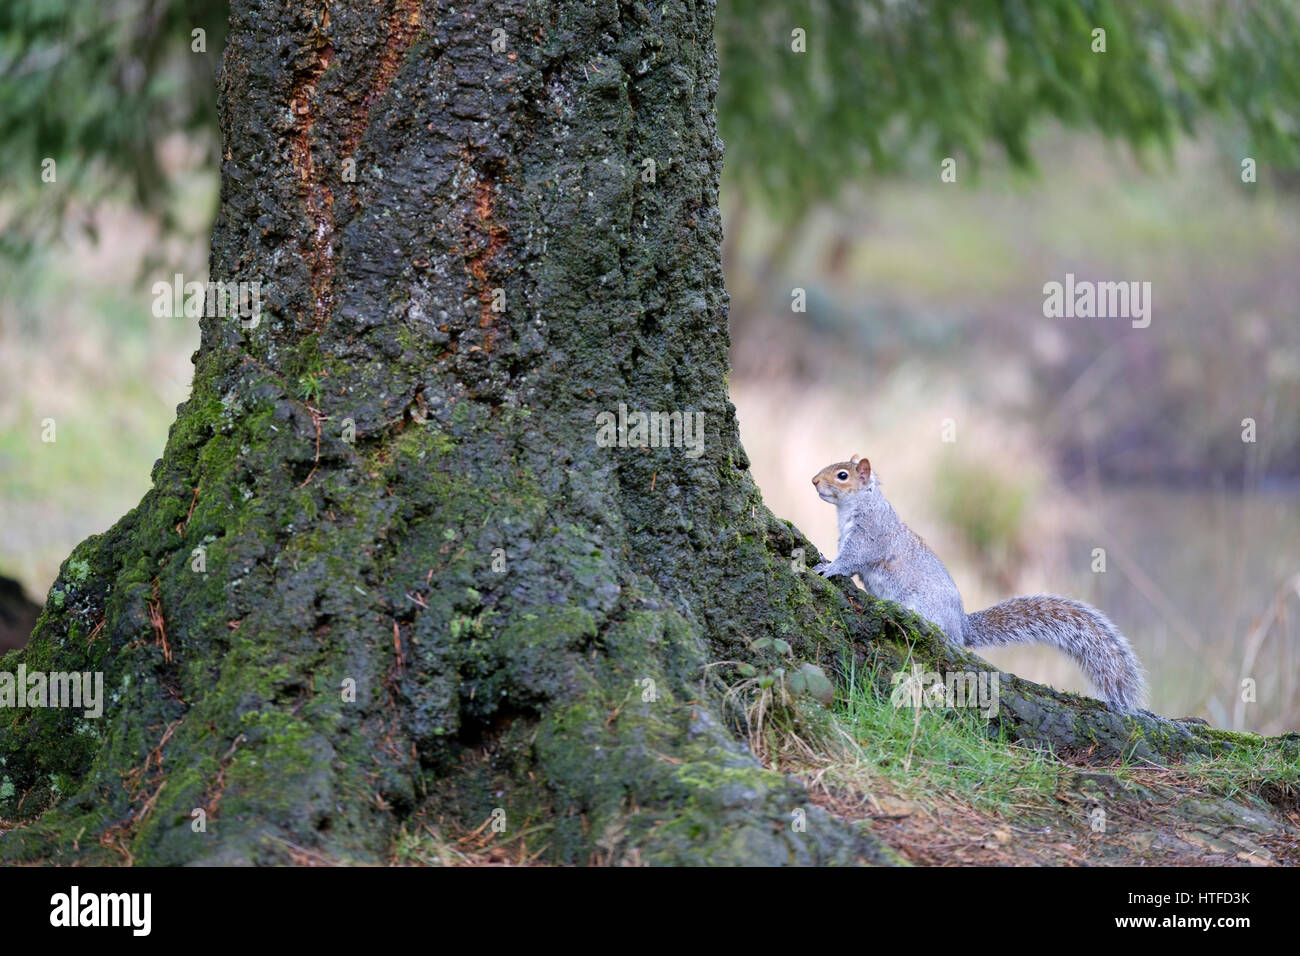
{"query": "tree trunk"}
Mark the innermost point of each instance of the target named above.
(525, 611)
(397, 483)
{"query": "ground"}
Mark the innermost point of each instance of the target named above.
(1148, 825)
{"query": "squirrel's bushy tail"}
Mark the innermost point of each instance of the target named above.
(1080, 631)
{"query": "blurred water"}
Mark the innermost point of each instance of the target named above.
(1205, 584)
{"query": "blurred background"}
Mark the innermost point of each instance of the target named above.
(924, 298)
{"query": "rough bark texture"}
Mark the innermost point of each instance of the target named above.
(373, 561)
(476, 170)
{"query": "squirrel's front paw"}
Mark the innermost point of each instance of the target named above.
(824, 569)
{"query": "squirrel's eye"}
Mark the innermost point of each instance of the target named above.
(843, 476)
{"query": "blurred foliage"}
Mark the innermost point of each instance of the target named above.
(885, 80)
(986, 508)
(97, 83)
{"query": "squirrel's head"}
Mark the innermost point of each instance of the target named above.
(836, 482)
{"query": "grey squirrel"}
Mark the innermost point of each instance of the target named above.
(896, 565)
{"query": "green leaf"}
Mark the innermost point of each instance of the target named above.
(815, 682)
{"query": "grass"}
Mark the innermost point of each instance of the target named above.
(940, 788)
(928, 755)
(930, 752)
(1251, 769)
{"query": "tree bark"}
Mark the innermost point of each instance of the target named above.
(626, 569)
(527, 614)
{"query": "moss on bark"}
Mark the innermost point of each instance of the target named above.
(484, 176)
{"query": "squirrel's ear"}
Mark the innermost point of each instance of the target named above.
(864, 467)
(853, 460)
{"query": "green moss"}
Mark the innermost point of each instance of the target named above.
(78, 570)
